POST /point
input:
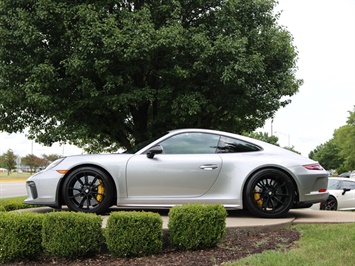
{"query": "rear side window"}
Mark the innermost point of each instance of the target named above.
(231, 145)
(348, 184)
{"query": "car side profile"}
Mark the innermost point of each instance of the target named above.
(184, 166)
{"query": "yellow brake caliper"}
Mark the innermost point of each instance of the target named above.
(100, 191)
(257, 198)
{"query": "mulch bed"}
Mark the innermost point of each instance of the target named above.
(235, 245)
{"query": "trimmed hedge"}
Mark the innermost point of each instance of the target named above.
(197, 226)
(134, 233)
(20, 236)
(14, 205)
(72, 235)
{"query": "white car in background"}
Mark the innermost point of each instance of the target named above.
(352, 174)
(341, 195)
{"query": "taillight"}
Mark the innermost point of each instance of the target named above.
(314, 166)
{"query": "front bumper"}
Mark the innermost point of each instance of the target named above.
(43, 188)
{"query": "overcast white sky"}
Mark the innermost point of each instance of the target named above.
(324, 33)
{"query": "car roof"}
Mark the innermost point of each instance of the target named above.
(264, 145)
(224, 133)
(342, 178)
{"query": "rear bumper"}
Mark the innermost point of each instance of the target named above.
(315, 197)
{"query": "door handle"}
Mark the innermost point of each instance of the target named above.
(209, 166)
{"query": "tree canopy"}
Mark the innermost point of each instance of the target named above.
(263, 136)
(34, 162)
(107, 73)
(8, 160)
(339, 152)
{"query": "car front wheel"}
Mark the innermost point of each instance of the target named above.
(89, 190)
(269, 193)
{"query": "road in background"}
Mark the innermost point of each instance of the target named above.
(12, 189)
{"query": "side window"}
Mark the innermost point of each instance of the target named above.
(190, 143)
(231, 145)
(348, 184)
(333, 184)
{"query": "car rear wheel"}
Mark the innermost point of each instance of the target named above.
(88, 190)
(269, 193)
(330, 205)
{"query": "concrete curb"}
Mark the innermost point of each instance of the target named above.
(245, 221)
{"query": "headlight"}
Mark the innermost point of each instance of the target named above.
(54, 164)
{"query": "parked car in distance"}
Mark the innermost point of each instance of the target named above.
(184, 166)
(341, 195)
(352, 174)
(346, 174)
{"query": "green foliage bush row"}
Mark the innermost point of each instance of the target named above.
(61, 234)
(72, 235)
(134, 233)
(20, 236)
(197, 226)
(14, 205)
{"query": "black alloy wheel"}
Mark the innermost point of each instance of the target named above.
(269, 193)
(88, 190)
(330, 205)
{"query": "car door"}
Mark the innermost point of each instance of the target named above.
(347, 201)
(188, 167)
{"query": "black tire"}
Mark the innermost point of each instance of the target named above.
(269, 193)
(330, 205)
(88, 189)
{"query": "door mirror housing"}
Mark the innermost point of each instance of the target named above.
(345, 190)
(154, 150)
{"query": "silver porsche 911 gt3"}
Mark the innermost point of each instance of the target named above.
(184, 166)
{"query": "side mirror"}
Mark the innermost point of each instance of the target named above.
(154, 150)
(345, 190)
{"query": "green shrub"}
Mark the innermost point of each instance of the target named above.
(72, 235)
(197, 226)
(14, 205)
(134, 233)
(20, 236)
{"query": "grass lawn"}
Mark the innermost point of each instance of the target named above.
(14, 176)
(320, 244)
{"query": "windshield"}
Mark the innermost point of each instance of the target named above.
(141, 145)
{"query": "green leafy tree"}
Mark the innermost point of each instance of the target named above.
(264, 136)
(105, 74)
(34, 162)
(9, 160)
(345, 139)
(292, 148)
(339, 152)
(269, 139)
(51, 157)
(328, 155)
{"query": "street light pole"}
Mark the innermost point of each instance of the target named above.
(288, 138)
(272, 127)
